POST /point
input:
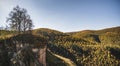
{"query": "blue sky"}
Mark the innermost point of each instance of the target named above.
(67, 15)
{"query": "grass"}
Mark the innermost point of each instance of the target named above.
(100, 55)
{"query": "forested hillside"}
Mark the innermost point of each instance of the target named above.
(84, 48)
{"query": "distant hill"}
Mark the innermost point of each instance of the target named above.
(104, 35)
(46, 30)
(93, 36)
(112, 29)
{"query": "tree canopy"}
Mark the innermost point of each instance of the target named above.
(19, 20)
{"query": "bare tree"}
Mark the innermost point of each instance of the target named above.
(19, 20)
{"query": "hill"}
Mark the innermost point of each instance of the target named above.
(109, 35)
(93, 46)
(84, 48)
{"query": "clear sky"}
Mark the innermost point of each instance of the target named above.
(67, 15)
